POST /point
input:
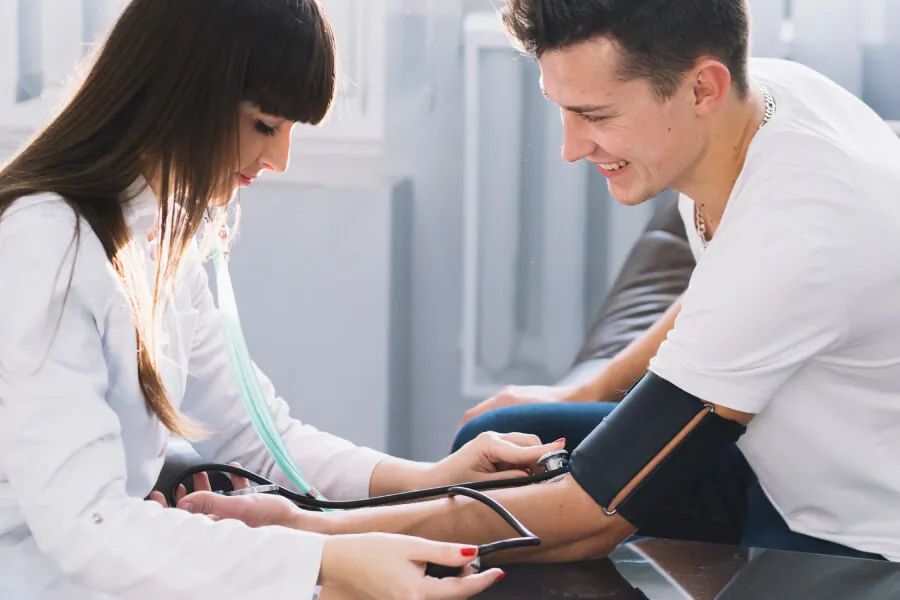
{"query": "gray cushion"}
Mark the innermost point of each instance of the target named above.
(654, 275)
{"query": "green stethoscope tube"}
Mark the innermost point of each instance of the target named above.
(247, 379)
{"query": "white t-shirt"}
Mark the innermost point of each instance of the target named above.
(793, 312)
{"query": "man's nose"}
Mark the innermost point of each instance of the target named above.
(576, 145)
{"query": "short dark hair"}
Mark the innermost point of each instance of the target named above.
(660, 40)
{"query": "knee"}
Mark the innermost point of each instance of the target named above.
(499, 420)
(470, 431)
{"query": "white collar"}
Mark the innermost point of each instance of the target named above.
(140, 208)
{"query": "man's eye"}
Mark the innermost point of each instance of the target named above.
(593, 118)
(264, 129)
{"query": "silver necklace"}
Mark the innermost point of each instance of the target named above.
(699, 222)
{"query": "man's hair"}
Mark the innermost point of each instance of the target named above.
(659, 40)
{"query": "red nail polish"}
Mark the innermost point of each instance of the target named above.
(500, 576)
(560, 441)
(469, 552)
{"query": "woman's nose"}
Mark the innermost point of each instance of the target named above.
(278, 151)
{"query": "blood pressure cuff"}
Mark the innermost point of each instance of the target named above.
(655, 442)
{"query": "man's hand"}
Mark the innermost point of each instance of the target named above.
(201, 484)
(531, 394)
(490, 456)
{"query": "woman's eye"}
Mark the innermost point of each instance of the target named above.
(265, 129)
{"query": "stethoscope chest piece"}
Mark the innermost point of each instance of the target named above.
(554, 460)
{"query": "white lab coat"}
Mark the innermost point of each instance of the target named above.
(79, 451)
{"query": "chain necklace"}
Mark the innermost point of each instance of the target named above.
(699, 223)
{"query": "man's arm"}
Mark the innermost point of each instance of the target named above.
(570, 524)
(567, 514)
(629, 365)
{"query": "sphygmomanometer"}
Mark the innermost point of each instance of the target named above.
(642, 453)
(552, 465)
(649, 448)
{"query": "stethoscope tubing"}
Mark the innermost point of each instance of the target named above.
(471, 490)
(312, 502)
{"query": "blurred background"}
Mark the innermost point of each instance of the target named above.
(428, 245)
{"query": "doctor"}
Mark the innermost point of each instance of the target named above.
(110, 342)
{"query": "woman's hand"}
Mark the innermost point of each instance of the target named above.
(378, 566)
(370, 566)
(490, 456)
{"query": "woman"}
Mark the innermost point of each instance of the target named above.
(109, 341)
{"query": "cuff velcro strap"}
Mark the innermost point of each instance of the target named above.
(655, 442)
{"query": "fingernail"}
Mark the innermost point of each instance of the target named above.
(500, 576)
(560, 441)
(188, 506)
(469, 552)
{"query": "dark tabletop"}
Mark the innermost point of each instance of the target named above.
(670, 570)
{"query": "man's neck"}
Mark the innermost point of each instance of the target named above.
(713, 177)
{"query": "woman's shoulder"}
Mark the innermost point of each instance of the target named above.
(44, 211)
(42, 235)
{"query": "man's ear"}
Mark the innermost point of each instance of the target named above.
(712, 82)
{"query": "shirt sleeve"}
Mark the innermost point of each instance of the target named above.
(337, 468)
(762, 302)
(64, 458)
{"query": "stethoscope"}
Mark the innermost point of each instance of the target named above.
(554, 463)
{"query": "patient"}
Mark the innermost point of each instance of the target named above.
(786, 340)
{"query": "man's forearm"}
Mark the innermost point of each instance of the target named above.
(570, 524)
(627, 367)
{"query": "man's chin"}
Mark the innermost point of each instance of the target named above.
(632, 196)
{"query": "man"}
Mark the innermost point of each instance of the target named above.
(787, 341)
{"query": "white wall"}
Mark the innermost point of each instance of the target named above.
(426, 143)
(321, 275)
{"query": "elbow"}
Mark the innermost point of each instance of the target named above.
(593, 534)
(74, 555)
(595, 543)
(75, 549)
(596, 547)
(87, 550)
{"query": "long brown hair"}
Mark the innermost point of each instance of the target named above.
(161, 100)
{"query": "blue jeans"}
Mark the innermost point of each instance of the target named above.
(726, 506)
